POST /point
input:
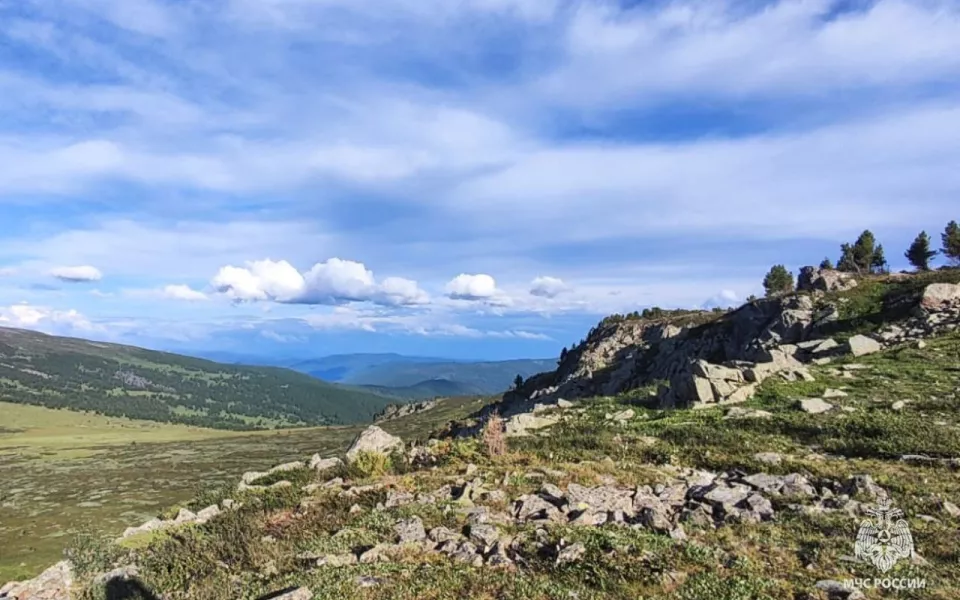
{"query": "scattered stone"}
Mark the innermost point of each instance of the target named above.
(837, 591)
(938, 295)
(290, 466)
(323, 464)
(366, 581)
(770, 458)
(737, 412)
(208, 513)
(831, 393)
(621, 417)
(898, 405)
(570, 554)
(525, 423)
(373, 439)
(951, 509)
(484, 535)
(337, 560)
(410, 530)
(814, 406)
(861, 345)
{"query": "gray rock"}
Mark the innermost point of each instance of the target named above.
(795, 484)
(410, 530)
(337, 560)
(524, 423)
(290, 466)
(208, 513)
(605, 498)
(484, 535)
(837, 591)
(721, 494)
(765, 483)
(937, 296)
(570, 554)
(373, 439)
(442, 534)
(323, 464)
(864, 485)
(622, 416)
(534, 508)
(770, 458)
(951, 509)
(861, 345)
(814, 406)
(825, 280)
(831, 393)
(737, 412)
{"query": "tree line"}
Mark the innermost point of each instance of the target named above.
(865, 256)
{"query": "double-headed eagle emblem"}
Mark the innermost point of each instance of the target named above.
(886, 538)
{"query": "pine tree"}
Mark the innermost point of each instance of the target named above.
(847, 262)
(518, 382)
(778, 281)
(863, 250)
(951, 242)
(919, 253)
(826, 263)
(563, 354)
(878, 262)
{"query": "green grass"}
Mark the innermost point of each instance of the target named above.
(65, 471)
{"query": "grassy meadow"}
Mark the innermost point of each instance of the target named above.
(63, 472)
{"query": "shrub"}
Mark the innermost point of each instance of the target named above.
(493, 437)
(370, 464)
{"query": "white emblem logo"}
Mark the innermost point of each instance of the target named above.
(886, 538)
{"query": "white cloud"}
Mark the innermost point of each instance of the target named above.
(800, 48)
(183, 292)
(335, 281)
(79, 274)
(7, 271)
(723, 299)
(45, 319)
(472, 287)
(548, 287)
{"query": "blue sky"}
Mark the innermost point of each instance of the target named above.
(472, 178)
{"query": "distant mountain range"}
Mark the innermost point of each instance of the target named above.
(117, 380)
(408, 377)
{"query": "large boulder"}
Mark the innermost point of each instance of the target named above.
(54, 584)
(373, 439)
(861, 345)
(937, 296)
(524, 423)
(825, 280)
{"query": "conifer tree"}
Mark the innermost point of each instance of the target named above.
(919, 253)
(778, 281)
(951, 242)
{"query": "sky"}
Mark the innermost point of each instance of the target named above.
(463, 178)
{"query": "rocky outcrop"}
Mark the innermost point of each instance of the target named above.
(373, 439)
(395, 411)
(825, 280)
(52, 584)
(703, 359)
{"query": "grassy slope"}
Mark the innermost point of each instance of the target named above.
(64, 471)
(781, 559)
(78, 374)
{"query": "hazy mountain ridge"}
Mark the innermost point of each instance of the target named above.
(118, 380)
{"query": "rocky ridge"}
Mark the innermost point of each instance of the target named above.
(722, 360)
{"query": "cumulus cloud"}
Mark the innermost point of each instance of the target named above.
(547, 287)
(78, 274)
(42, 318)
(723, 299)
(335, 281)
(472, 287)
(182, 292)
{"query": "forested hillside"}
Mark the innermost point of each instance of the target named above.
(120, 380)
